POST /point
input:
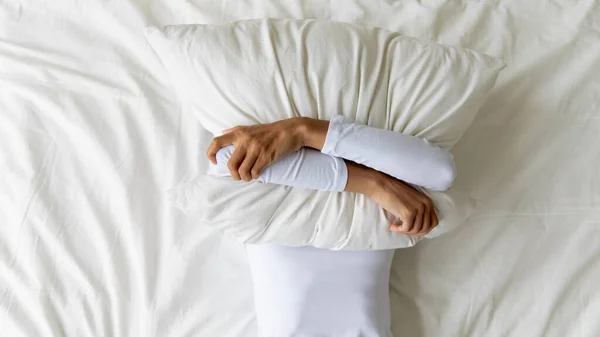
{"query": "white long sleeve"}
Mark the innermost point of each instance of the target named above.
(404, 157)
(306, 168)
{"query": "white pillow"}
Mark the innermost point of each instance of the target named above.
(260, 71)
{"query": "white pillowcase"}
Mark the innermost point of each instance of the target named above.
(260, 71)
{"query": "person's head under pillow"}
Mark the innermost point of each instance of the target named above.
(305, 291)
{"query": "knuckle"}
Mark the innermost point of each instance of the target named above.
(260, 146)
(404, 209)
(255, 146)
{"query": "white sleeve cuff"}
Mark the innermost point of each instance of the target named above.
(341, 180)
(333, 135)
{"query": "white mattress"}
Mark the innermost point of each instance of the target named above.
(92, 138)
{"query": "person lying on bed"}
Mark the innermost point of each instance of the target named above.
(317, 291)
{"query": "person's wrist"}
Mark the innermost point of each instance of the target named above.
(376, 181)
(312, 132)
(363, 180)
(298, 131)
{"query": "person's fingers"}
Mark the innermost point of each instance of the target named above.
(258, 167)
(216, 144)
(424, 230)
(426, 221)
(408, 221)
(397, 228)
(434, 221)
(394, 224)
(235, 161)
(418, 220)
(246, 166)
(213, 148)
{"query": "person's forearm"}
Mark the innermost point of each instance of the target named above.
(312, 170)
(361, 179)
(306, 168)
(404, 157)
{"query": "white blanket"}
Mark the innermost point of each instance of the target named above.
(91, 138)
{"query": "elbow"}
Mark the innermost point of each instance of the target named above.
(446, 174)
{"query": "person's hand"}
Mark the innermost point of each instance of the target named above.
(413, 210)
(258, 146)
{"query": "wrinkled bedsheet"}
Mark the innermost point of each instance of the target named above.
(91, 138)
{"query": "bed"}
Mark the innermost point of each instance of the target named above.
(92, 138)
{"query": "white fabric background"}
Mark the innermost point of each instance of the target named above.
(91, 138)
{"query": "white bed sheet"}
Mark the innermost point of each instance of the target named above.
(91, 139)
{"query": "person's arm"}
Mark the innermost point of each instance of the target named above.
(311, 169)
(404, 157)
(305, 168)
